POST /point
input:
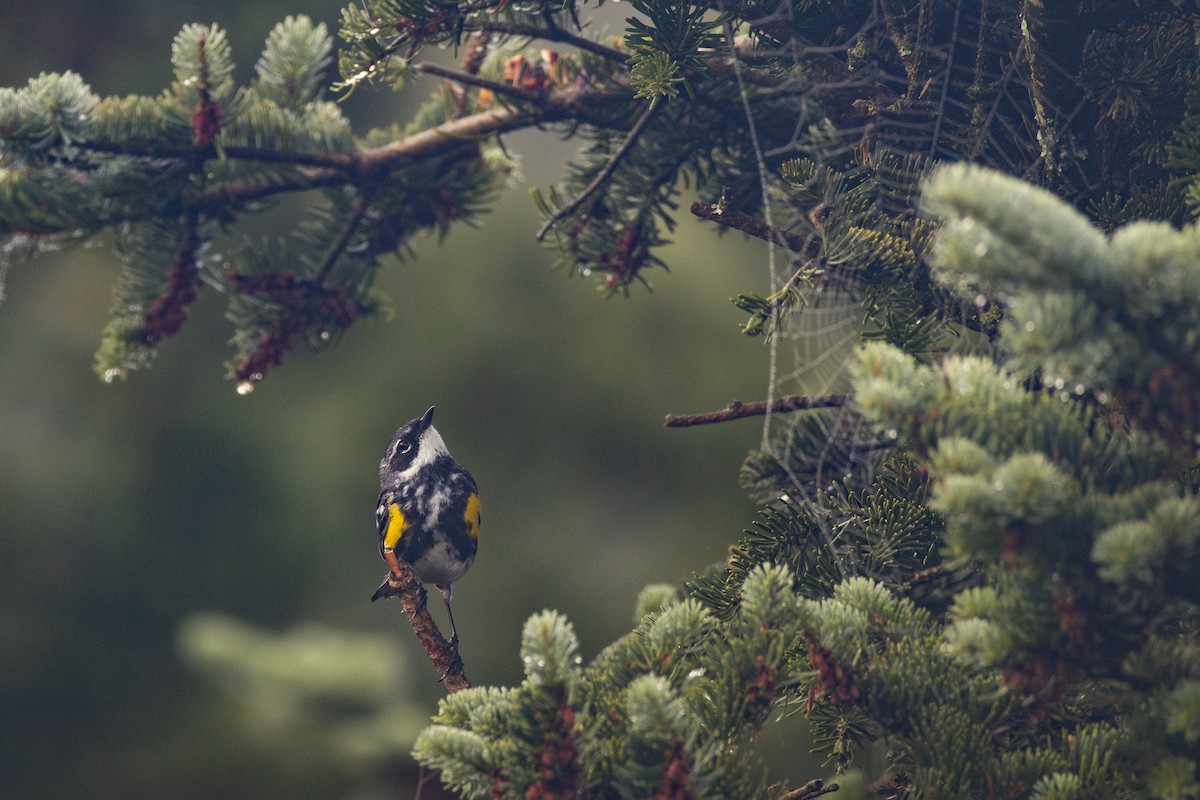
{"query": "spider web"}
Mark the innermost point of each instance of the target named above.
(933, 81)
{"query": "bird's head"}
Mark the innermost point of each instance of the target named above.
(412, 447)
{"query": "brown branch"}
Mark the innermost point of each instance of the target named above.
(805, 245)
(604, 174)
(739, 410)
(554, 106)
(339, 168)
(809, 791)
(442, 653)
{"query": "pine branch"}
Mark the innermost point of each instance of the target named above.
(343, 168)
(739, 410)
(332, 169)
(553, 106)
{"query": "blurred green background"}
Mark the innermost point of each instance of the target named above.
(184, 588)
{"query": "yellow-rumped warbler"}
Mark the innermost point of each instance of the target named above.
(428, 512)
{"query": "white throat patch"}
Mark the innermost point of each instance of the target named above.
(429, 449)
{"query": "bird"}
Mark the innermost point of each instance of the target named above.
(428, 512)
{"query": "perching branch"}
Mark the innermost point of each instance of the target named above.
(739, 410)
(403, 584)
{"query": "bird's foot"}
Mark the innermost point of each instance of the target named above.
(456, 663)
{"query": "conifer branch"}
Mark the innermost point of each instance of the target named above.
(605, 173)
(805, 245)
(556, 105)
(739, 410)
(332, 169)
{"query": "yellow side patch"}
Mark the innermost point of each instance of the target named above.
(472, 515)
(397, 525)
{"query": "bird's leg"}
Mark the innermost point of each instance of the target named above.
(456, 664)
(447, 591)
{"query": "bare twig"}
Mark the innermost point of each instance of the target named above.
(467, 79)
(360, 211)
(806, 245)
(739, 410)
(555, 35)
(442, 654)
(604, 174)
(809, 791)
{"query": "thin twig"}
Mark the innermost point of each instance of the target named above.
(360, 211)
(810, 791)
(467, 79)
(604, 174)
(555, 35)
(739, 410)
(805, 245)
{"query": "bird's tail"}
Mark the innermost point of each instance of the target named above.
(389, 588)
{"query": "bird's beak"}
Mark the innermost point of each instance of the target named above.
(427, 420)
